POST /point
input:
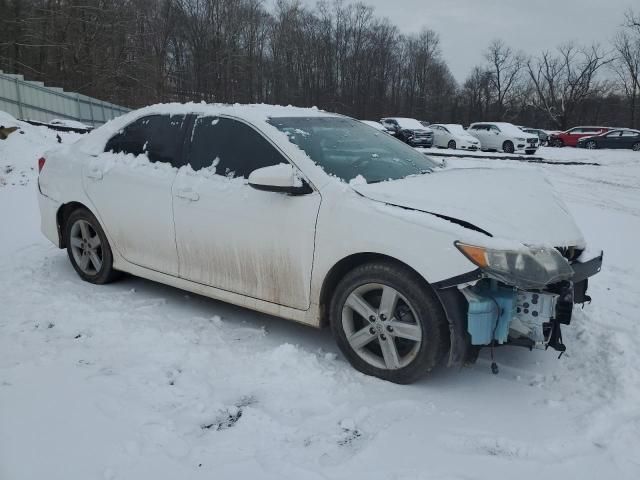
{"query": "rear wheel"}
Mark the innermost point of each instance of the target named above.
(388, 323)
(507, 147)
(451, 145)
(88, 248)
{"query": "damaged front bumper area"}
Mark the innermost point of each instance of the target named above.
(483, 311)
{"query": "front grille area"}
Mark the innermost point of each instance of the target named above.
(532, 141)
(570, 253)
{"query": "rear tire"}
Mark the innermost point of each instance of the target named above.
(88, 248)
(388, 322)
(507, 147)
(451, 145)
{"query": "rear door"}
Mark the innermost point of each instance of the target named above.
(480, 132)
(232, 236)
(611, 140)
(130, 186)
(629, 138)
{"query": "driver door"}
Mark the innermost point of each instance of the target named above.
(236, 238)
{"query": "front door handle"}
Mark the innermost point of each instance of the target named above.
(95, 173)
(188, 194)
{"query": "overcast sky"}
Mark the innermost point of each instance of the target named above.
(466, 27)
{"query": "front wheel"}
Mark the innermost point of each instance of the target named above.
(507, 147)
(636, 147)
(451, 145)
(388, 323)
(591, 145)
(88, 248)
(557, 143)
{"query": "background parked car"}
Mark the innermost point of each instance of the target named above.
(376, 125)
(541, 134)
(570, 137)
(451, 135)
(410, 131)
(620, 138)
(504, 137)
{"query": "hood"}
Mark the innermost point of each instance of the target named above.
(504, 203)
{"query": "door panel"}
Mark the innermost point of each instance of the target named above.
(132, 194)
(234, 237)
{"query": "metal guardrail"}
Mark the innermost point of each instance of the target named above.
(28, 100)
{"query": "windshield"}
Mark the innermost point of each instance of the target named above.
(346, 148)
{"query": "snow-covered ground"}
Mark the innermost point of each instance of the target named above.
(137, 380)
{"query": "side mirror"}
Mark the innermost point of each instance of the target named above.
(280, 178)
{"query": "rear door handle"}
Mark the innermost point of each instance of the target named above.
(95, 173)
(188, 194)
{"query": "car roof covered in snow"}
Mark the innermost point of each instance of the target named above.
(256, 114)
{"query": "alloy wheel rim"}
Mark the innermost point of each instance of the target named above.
(591, 145)
(381, 326)
(86, 247)
(636, 147)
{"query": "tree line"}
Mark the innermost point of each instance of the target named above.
(338, 56)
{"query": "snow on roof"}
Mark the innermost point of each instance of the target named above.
(256, 114)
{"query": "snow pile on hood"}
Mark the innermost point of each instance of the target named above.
(411, 124)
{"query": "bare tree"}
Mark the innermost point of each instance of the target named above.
(564, 80)
(504, 68)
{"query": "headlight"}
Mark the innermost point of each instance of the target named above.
(520, 139)
(530, 268)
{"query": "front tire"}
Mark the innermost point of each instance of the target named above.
(507, 147)
(88, 248)
(636, 147)
(388, 322)
(591, 145)
(557, 143)
(451, 145)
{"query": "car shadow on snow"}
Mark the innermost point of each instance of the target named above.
(516, 364)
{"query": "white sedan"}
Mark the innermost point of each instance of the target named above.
(451, 135)
(504, 137)
(317, 218)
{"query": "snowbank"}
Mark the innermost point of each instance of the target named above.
(19, 153)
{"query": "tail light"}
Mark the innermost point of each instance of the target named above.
(41, 162)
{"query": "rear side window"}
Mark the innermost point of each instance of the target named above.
(630, 133)
(159, 136)
(233, 148)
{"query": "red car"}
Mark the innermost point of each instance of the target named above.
(570, 137)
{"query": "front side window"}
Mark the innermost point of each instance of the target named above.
(231, 148)
(160, 137)
(630, 133)
(345, 148)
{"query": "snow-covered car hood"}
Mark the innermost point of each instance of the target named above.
(505, 203)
